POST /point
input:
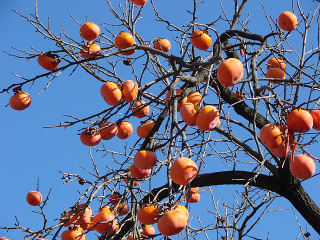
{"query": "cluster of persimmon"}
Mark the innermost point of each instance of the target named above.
(279, 139)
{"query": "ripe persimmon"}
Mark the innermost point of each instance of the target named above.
(316, 119)
(129, 91)
(287, 21)
(122, 208)
(138, 172)
(111, 93)
(89, 31)
(49, 61)
(183, 171)
(20, 101)
(183, 209)
(145, 128)
(172, 222)
(81, 216)
(114, 198)
(194, 97)
(125, 130)
(145, 159)
(88, 225)
(163, 45)
(189, 113)
(230, 72)
(90, 51)
(74, 232)
(148, 214)
(124, 40)
(276, 63)
(34, 198)
(271, 136)
(208, 118)
(169, 100)
(299, 120)
(201, 39)
(302, 167)
(90, 137)
(276, 73)
(108, 130)
(126, 180)
(143, 110)
(192, 195)
(148, 231)
(35, 239)
(4, 238)
(139, 2)
(109, 222)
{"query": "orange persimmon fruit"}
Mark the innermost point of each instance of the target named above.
(145, 159)
(208, 118)
(183, 171)
(90, 51)
(271, 136)
(172, 222)
(194, 97)
(163, 45)
(90, 137)
(189, 113)
(169, 100)
(299, 120)
(49, 61)
(34, 198)
(20, 101)
(74, 232)
(148, 214)
(302, 167)
(108, 130)
(124, 40)
(143, 110)
(89, 31)
(144, 129)
(111, 93)
(201, 39)
(125, 130)
(129, 91)
(316, 119)
(287, 21)
(109, 222)
(230, 72)
(139, 2)
(276, 63)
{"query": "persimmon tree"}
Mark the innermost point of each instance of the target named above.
(198, 98)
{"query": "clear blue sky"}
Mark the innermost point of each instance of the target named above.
(29, 151)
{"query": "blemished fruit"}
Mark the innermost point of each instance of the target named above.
(201, 39)
(276, 63)
(148, 214)
(143, 111)
(316, 119)
(302, 167)
(145, 159)
(20, 101)
(163, 45)
(89, 31)
(276, 73)
(111, 93)
(172, 222)
(144, 129)
(49, 61)
(271, 136)
(90, 51)
(125, 130)
(208, 118)
(122, 209)
(139, 2)
(230, 72)
(74, 232)
(189, 114)
(110, 222)
(287, 21)
(108, 130)
(90, 138)
(194, 97)
(124, 40)
(299, 120)
(34, 198)
(183, 171)
(129, 91)
(169, 100)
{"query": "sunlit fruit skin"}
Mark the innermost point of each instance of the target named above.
(74, 232)
(271, 136)
(122, 209)
(287, 21)
(34, 198)
(316, 119)
(188, 114)
(194, 97)
(89, 31)
(201, 40)
(139, 2)
(169, 100)
(163, 45)
(124, 40)
(20, 101)
(192, 195)
(90, 139)
(143, 111)
(126, 180)
(4, 238)
(108, 132)
(82, 216)
(230, 72)
(172, 222)
(148, 214)
(299, 120)
(276, 63)
(111, 93)
(125, 130)
(144, 129)
(138, 172)
(148, 230)
(276, 73)
(183, 171)
(302, 167)
(129, 91)
(182, 209)
(49, 61)
(145, 159)
(90, 51)
(110, 222)
(208, 118)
